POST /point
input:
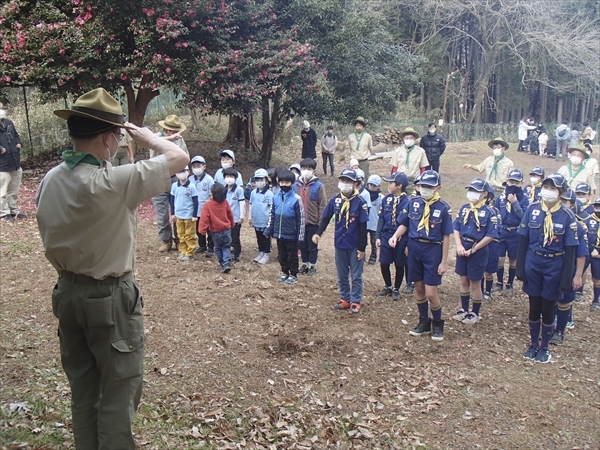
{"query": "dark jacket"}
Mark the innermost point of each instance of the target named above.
(9, 138)
(434, 146)
(309, 143)
(286, 220)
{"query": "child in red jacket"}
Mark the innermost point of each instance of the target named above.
(218, 218)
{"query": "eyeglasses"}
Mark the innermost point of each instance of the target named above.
(120, 138)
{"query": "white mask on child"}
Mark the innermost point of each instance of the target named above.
(427, 192)
(345, 188)
(261, 184)
(534, 180)
(182, 175)
(473, 196)
(229, 181)
(198, 171)
(548, 195)
(306, 174)
(497, 152)
(225, 165)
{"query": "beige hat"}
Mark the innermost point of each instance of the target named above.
(409, 130)
(498, 140)
(360, 119)
(172, 123)
(98, 105)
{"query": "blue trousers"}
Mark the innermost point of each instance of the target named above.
(222, 242)
(310, 250)
(348, 266)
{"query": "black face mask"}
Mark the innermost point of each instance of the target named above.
(516, 190)
(285, 188)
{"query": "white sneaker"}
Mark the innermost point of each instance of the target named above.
(471, 319)
(460, 315)
(259, 257)
(264, 259)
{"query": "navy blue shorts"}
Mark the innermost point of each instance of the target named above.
(492, 262)
(472, 266)
(509, 243)
(568, 297)
(543, 276)
(423, 262)
(595, 268)
(388, 255)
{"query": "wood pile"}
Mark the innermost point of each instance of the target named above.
(389, 136)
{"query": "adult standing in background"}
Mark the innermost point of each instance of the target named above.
(126, 152)
(361, 144)
(577, 171)
(309, 141)
(525, 125)
(87, 217)
(434, 145)
(409, 158)
(10, 169)
(329, 143)
(497, 166)
(171, 129)
(563, 136)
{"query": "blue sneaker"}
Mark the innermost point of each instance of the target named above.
(291, 280)
(531, 352)
(283, 278)
(543, 356)
(571, 325)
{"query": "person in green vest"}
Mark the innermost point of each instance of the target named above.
(496, 167)
(361, 144)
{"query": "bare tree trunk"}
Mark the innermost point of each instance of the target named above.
(430, 97)
(195, 119)
(543, 103)
(422, 105)
(582, 109)
(241, 130)
(559, 110)
(138, 104)
(270, 124)
(591, 105)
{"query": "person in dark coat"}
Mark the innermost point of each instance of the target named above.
(309, 141)
(434, 145)
(10, 169)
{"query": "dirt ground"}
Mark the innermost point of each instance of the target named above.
(241, 361)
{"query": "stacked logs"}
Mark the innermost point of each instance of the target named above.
(390, 136)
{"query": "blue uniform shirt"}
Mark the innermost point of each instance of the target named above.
(593, 227)
(261, 202)
(536, 195)
(487, 224)
(203, 185)
(219, 178)
(386, 213)
(374, 213)
(184, 200)
(236, 200)
(565, 229)
(512, 219)
(440, 220)
(582, 248)
(347, 237)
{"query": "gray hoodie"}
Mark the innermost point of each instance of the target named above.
(575, 135)
(566, 136)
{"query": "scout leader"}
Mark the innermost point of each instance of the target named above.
(576, 171)
(497, 166)
(409, 158)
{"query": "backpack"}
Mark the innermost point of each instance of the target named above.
(562, 133)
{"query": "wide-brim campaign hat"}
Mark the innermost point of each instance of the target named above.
(579, 149)
(172, 123)
(359, 119)
(498, 140)
(98, 105)
(409, 130)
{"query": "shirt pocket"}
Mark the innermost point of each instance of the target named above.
(559, 231)
(534, 225)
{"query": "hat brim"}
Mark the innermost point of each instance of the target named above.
(498, 141)
(354, 122)
(553, 182)
(413, 133)
(426, 183)
(66, 113)
(581, 150)
(162, 124)
(475, 189)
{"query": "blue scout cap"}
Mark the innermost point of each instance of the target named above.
(583, 188)
(398, 178)
(348, 173)
(198, 159)
(557, 180)
(539, 171)
(430, 178)
(359, 173)
(597, 201)
(374, 180)
(228, 153)
(477, 184)
(580, 211)
(569, 194)
(515, 174)
(490, 189)
(261, 173)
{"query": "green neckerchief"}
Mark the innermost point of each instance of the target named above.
(570, 168)
(495, 166)
(408, 150)
(362, 133)
(72, 158)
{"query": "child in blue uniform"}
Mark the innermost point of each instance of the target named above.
(593, 234)
(583, 191)
(492, 263)
(393, 208)
(227, 162)
(546, 257)
(375, 197)
(474, 228)
(261, 200)
(532, 190)
(511, 204)
(429, 226)
(235, 197)
(350, 213)
(184, 212)
(204, 182)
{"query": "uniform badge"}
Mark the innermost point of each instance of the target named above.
(338, 201)
(205, 186)
(436, 213)
(365, 207)
(481, 213)
(235, 197)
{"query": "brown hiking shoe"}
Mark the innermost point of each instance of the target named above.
(165, 246)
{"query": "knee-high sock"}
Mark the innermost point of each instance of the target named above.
(476, 306)
(500, 274)
(437, 313)
(596, 294)
(489, 282)
(512, 271)
(399, 277)
(464, 301)
(386, 274)
(534, 331)
(547, 331)
(423, 306)
(562, 317)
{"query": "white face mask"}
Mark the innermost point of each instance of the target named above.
(575, 160)
(345, 188)
(473, 196)
(261, 184)
(548, 195)
(229, 181)
(497, 152)
(534, 180)
(198, 171)
(427, 192)
(225, 165)
(182, 176)
(306, 174)
(432, 131)
(409, 142)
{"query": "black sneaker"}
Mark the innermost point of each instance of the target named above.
(312, 270)
(225, 269)
(9, 219)
(595, 306)
(508, 289)
(303, 269)
(543, 356)
(438, 330)
(498, 287)
(557, 338)
(531, 352)
(200, 250)
(209, 253)
(424, 327)
(395, 295)
(20, 216)
(373, 259)
(384, 292)
(487, 296)
(235, 259)
(409, 288)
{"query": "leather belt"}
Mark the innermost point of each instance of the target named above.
(548, 255)
(426, 241)
(78, 278)
(472, 241)
(510, 228)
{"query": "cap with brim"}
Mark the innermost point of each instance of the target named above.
(409, 130)
(583, 188)
(397, 178)
(430, 178)
(374, 180)
(579, 149)
(348, 173)
(498, 140)
(295, 166)
(228, 153)
(172, 123)
(198, 159)
(477, 184)
(261, 173)
(361, 120)
(360, 173)
(596, 201)
(515, 175)
(98, 105)
(569, 194)
(490, 190)
(537, 170)
(557, 180)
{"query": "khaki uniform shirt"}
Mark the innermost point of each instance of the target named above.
(87, 216)
(592, 164)
(499, 176)
(179, 143)
(364, 149)
(416, 160)
(574, 177)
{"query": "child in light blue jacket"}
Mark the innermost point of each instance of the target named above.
(375, 197)
(261, 199)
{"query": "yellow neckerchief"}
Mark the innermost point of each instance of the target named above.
(474, 208)
(346, 206)
(396, 201)
(424, 222)
(532, 193)
(508, 205)
(548, 223)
